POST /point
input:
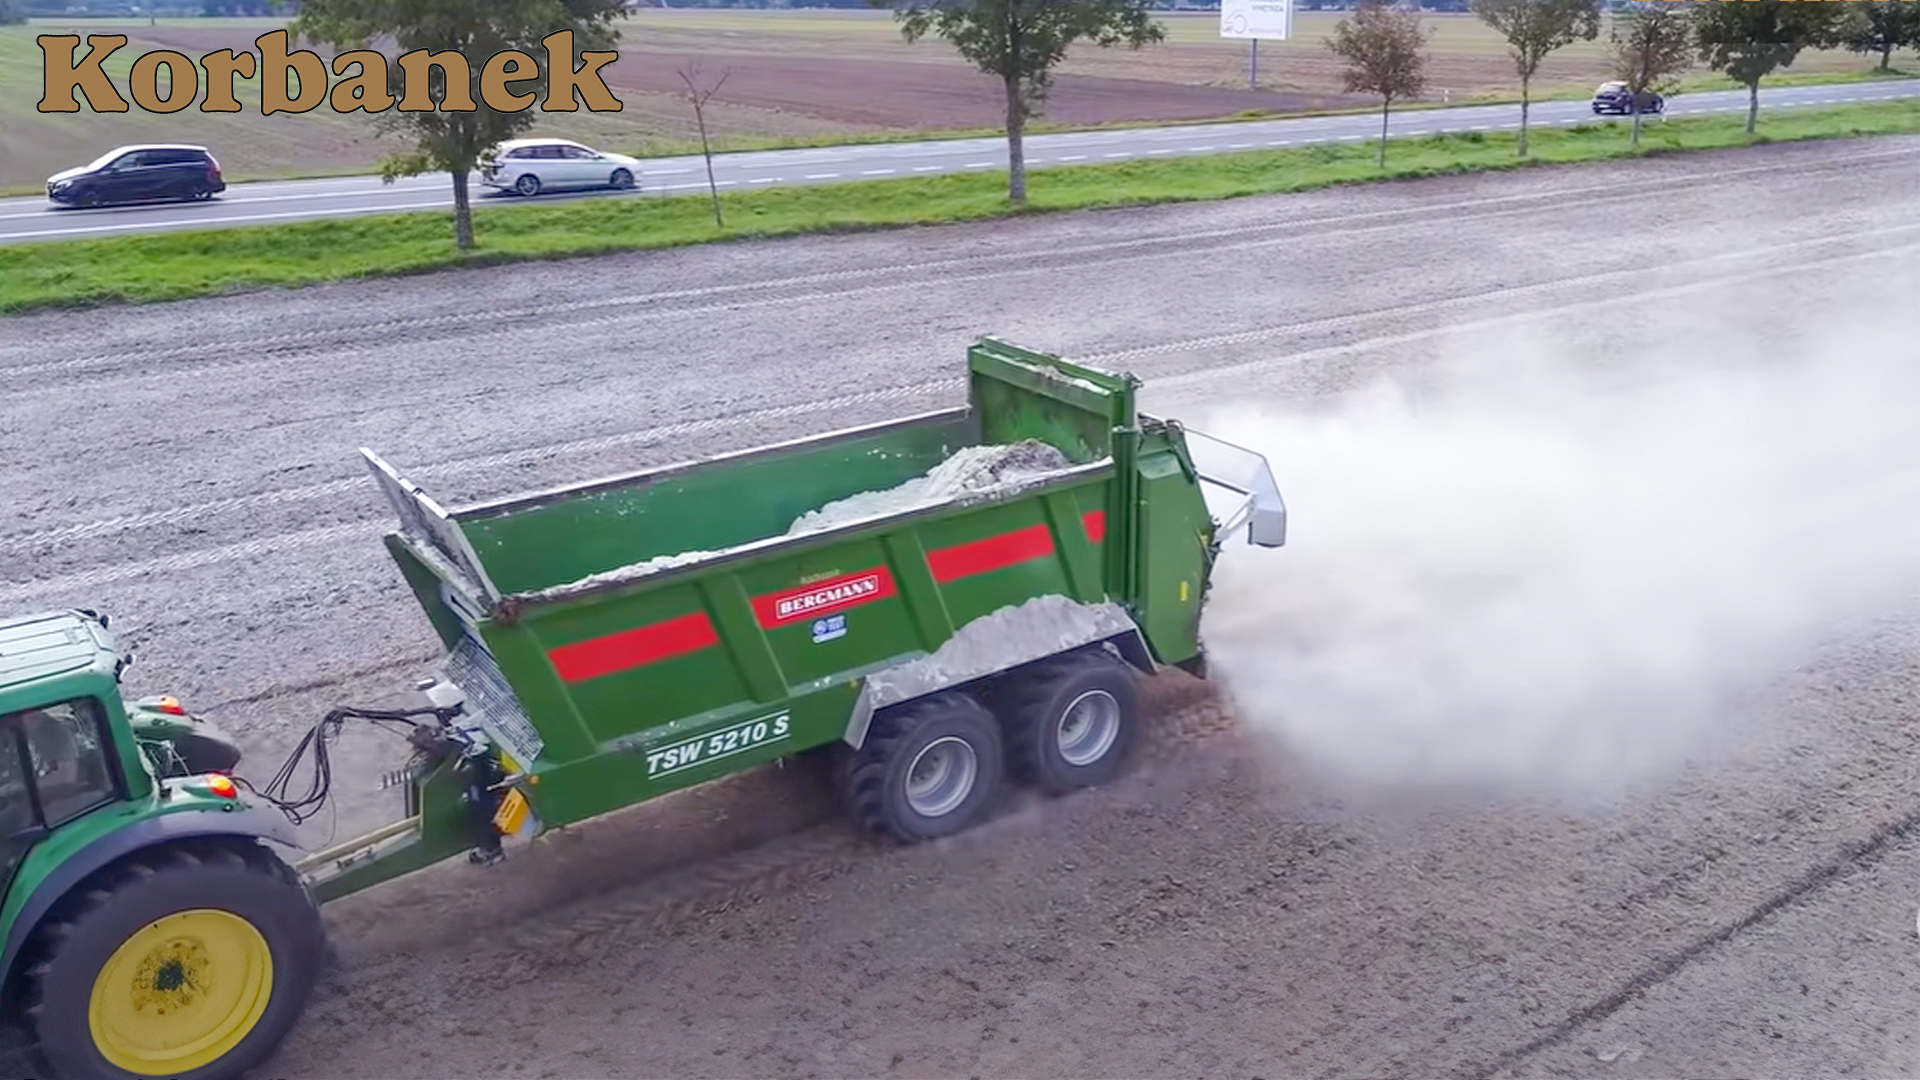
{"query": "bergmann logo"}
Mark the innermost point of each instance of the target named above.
(791, 606)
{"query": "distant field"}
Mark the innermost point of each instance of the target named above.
(796, 77)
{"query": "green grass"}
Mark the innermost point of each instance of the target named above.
(180, 265)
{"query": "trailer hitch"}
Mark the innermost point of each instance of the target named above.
(432, 744)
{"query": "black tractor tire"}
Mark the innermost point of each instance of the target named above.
(240, 879)
(877, 779)
(1033, 704)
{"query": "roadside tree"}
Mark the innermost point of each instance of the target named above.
(1750, 39)
(1652, 46)
(1019, 42)
(12, 12)
(1385, 53)
(1534, 28)
(698, 95)
(1882, 26)
(454, 140)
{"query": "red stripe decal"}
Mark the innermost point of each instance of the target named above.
(599, 656)
(1095, 522)
(821, 597)
(992, 553)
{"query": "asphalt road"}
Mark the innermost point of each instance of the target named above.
(1231, 911)
(35, 219)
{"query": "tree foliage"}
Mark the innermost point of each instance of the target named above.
(1750, 39)
(1652, 46)
(455, 141)
(1019, 42)
(1384, 49)
(1881, 26)
(1534, 28)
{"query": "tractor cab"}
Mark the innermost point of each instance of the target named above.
(60, 759)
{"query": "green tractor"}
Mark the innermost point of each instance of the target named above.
(152, 930)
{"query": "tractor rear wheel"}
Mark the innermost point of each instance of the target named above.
(191, 961)
(1070, 722)
(927, 769)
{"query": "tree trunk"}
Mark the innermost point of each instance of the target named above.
(1753, 105)
(1016, 157)
(1636, 125)
(706, 150)
(1384, 104)
(1886, 54)
(462, 212)
(1526, 101)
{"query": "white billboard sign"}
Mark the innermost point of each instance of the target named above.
(1271, 20)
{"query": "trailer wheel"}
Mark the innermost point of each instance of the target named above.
(1071, 722)
(191, 962)
(927, 769)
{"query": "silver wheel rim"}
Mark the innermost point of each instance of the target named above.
(941, 776)
(1089, 728)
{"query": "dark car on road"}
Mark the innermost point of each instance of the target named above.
(1614, 97)
(139, 174)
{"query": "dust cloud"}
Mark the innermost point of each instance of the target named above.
(1533, 570)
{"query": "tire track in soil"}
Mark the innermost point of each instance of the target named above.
(276, 348)
(1857, 855)
(508, 459)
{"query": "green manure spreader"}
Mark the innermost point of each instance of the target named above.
(941, 605)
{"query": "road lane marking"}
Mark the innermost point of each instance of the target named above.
(205, 223)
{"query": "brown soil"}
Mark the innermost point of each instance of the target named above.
(907, 95)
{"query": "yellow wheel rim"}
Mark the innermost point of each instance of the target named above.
(181, 992)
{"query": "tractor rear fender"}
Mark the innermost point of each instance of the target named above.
(998, 642)
(252, 823)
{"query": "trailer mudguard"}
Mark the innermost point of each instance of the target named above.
(252, 822)
(994, 643)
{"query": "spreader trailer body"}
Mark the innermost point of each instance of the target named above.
(939, 604)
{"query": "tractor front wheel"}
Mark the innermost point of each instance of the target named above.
(191, 962)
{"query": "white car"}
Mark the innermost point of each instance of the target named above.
(530, 166)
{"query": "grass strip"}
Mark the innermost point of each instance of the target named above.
(208, 262)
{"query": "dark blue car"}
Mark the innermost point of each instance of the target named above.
(1614, 97)
(144, 173)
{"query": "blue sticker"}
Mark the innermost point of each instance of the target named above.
(827, 629)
